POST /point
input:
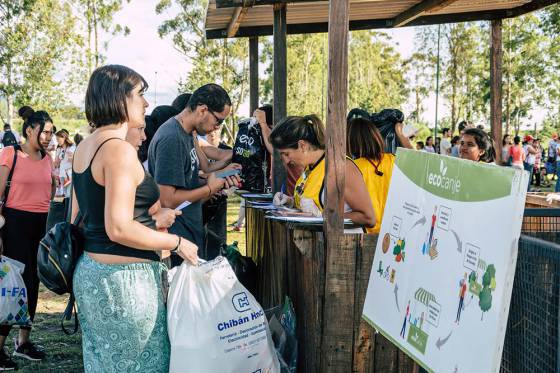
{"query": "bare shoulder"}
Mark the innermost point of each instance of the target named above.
(119, 153)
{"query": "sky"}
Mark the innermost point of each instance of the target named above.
(162, 66)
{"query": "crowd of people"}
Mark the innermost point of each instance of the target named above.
(149, 194)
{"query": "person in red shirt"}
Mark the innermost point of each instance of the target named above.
(462, 293)
(516, 153)
(25, 210)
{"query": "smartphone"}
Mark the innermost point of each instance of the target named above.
(227, 173)
(182, 205)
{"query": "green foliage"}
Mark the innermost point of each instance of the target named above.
(472, 277)
(223, 61)
(36, 39)
(485, 299)
(523, 69)
(376, 71)
(488, 285)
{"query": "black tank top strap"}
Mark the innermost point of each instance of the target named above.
(99, 147)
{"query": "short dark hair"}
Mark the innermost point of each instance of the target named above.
(107, 91)
(78, 139)
(363, 140)
(445, 130)
(462, 125)
(484, 142)
(181, 101)
(211, 95)
(162, 113)
(455, 139)
(289, 131)
(268, 113)
(7, 127)
(516, 140)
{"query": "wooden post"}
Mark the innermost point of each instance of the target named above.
(496, 56)
(253, 74)
(280, 88)
(340, 261)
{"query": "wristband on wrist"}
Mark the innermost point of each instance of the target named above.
(178, 243)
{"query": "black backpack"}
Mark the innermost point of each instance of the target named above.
(9, 139)
(57, 257)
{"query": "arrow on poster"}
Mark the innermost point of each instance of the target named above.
(459, 243)
(421, 221)
(440, 342)
(396, 297)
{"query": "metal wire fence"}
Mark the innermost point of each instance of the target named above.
(531, 342)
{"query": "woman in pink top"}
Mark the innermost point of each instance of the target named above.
(25, 211)
(516, 153)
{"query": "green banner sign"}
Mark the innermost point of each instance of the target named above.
(454, 178)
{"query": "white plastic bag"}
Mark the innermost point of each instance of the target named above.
(215, 324)
(13, 293)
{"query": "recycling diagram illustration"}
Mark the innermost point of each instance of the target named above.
(443, 269)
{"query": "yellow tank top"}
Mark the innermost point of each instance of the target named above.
(310, 184)
(378, 186)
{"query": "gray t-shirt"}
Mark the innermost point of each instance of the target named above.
(172, 160)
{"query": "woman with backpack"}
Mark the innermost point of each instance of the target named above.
(118, 281)
(26, 205)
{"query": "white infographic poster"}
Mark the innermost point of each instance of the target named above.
(442, 274)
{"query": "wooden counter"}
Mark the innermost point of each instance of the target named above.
(297, 269)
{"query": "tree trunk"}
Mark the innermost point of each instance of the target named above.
(9, 93)
(89, 32)
(96, 36)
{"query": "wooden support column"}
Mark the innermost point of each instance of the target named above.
(340, 256)
(253, 74)
(496, 57)
(280, 88)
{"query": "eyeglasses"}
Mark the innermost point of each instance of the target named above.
(219, 121)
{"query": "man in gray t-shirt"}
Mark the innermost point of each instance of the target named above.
(174, 164)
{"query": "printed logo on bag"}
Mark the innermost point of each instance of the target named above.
(244, 139)
(241, 302)
(13, 292)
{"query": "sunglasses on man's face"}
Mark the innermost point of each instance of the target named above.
(219, 121)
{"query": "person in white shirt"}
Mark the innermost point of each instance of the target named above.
(429, 147)
(530, 157)
(63, 159)
(445, 144)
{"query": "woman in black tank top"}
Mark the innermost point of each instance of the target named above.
(117, 282)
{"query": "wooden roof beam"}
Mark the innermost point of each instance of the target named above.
(420, 9)
(250, 3)
(235, 21)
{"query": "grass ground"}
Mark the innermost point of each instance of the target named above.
(65, 352)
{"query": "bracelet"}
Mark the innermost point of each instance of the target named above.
(209, 190)
(177, 247)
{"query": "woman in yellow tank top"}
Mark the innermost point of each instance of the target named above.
(301, 141)
(365, 144)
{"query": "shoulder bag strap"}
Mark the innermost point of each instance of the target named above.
(11, 174)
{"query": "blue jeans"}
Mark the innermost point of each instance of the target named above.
(557, 188)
